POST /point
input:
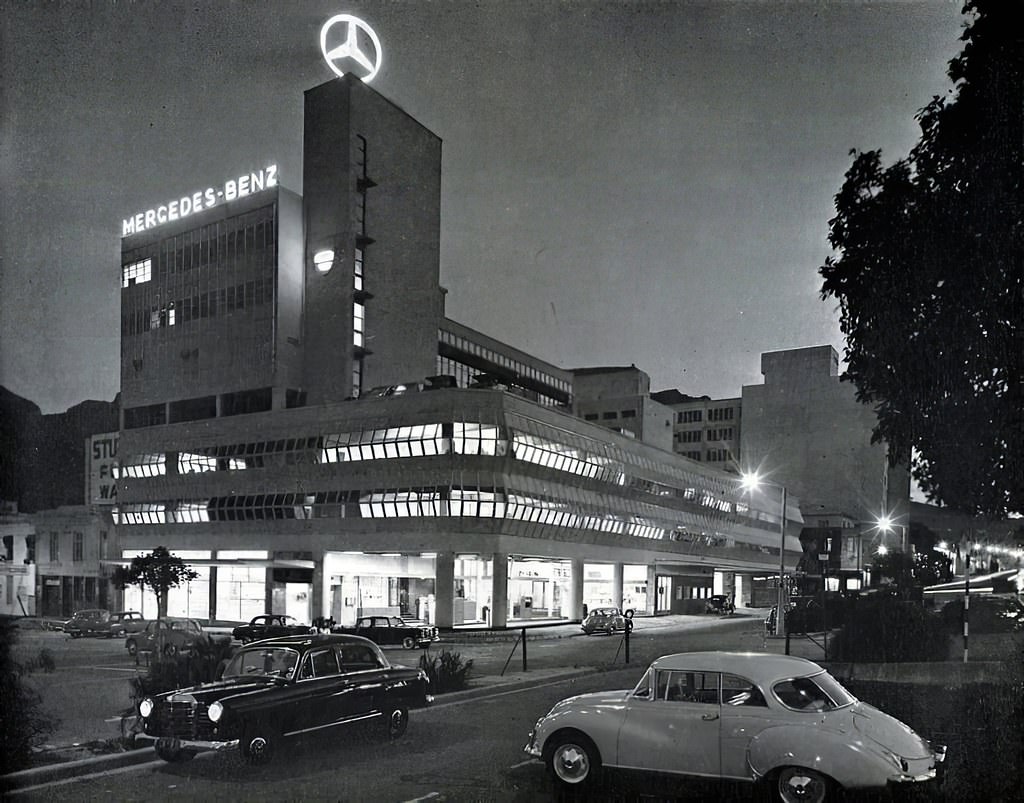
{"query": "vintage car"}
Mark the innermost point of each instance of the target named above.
(91, 622)
(171, 636)
(270, 625)
(122, 623)
(283, 687)
(757, 717)
(603, 620)
(718, 603)
(392, 630)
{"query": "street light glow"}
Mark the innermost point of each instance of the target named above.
(750, 480)
(882, 550)
(885, 524)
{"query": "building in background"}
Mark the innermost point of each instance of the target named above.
(704, 429)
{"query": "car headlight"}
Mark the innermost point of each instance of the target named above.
(146, 707)
(215, 711)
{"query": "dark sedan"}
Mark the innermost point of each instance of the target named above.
(271, 625)
(603, 620)
(278, 688)
(392, 630)
(91, 622)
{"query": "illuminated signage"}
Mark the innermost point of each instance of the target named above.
(186, 205)
(339, 42)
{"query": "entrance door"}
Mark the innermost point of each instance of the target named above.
(663, 603)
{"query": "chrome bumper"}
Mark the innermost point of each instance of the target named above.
(196, 745)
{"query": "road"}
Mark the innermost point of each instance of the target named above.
(467, 750)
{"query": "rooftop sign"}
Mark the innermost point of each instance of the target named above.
(197, 201)
(340, 43)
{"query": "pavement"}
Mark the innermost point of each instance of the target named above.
(70, 761)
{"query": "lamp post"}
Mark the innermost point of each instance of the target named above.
(751, 482)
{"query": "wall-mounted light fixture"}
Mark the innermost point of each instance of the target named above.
(323, 261)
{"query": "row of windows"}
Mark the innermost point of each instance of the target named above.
(610, 415)
(465, 376)
(721, 434)
(207, 246)
(206, 305)
(466, 438)
(721, 413)
(411, 502)
(689, 436)
(520, 368)
(690, 416)
(719, 455)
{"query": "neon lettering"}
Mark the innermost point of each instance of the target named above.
(161, 214)
(211, 197)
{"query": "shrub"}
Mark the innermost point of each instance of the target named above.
(882, 628)
(447, 671)
(23, 724)
(179, 671)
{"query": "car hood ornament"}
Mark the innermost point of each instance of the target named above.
(340, 43)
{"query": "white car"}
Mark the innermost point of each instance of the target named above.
(735, 716)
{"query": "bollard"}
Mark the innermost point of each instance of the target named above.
(524, 649)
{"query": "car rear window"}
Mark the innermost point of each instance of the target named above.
(821, 692)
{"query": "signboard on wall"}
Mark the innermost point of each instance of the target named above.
(101, 457)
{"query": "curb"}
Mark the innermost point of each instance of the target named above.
(69, 769)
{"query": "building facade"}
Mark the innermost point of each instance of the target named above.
(303, 424)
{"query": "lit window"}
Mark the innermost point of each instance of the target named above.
(136, 272)
(358, 323)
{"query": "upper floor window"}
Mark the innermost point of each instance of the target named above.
(136, 272)
(54, 547)
(358, 323)
(78, 548)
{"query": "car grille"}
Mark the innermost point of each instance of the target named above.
(182, 720)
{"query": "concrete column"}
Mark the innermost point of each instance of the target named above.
(652, 590)
(321, 602)
(499, 590)
(617, 585)
(574, 605)
(444, 589)
(213, 593)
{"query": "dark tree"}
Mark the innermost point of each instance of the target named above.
(158, 571)
(928, 276)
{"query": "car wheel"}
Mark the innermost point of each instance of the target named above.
(171, 755)
(573, 760)
(257, 745)
(801, 785)
(610, 630)
(397, 723)
(132, 647)
(409, 642)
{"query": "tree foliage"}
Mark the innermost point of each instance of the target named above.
(928, 276)
(158, 571)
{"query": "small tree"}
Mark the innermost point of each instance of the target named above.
(159, 571)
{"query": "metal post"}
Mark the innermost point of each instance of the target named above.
(524, 649)
(967, 598)
(780, 611)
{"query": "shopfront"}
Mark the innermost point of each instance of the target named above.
(388, 584)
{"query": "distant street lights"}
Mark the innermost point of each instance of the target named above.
(887, 525)
(751, 482)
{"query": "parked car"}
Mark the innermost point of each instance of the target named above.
(754, 717)
(282, 687)
(88, 623)
(172, 636)
(603, 620)
(392, 630)
(122, 623)
(718, 603)
(987, 614)
(270, 625)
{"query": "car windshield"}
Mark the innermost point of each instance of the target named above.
(268, 662)
(820, 692)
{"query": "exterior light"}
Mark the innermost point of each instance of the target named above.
(751, 481)
(942, 545)
(882, 550)
(323, 260)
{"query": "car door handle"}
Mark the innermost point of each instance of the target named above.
(709, 717)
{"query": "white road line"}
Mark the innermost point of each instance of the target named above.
(523, 763)
(431, 796)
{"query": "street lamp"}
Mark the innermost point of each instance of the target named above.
(887, 525)
(752, 482)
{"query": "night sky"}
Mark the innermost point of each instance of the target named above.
(623, 182)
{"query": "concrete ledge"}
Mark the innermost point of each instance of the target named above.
(48, 773)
